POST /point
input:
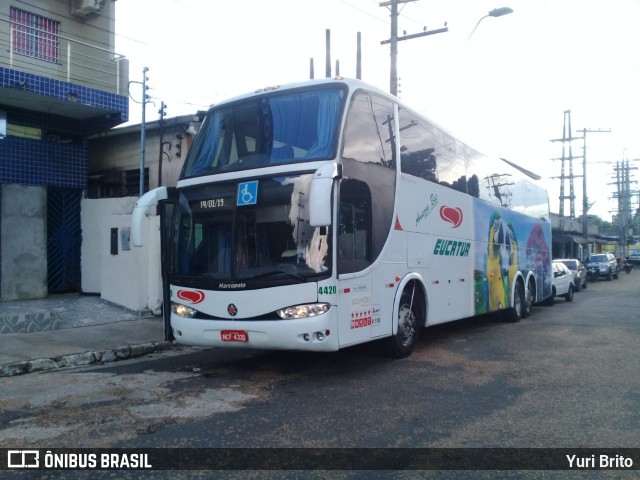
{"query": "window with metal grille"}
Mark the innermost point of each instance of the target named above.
(35, 36)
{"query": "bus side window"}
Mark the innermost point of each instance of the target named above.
(354, 227)
(417, 147)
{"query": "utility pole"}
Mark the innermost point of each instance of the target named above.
(394, 39)
(585, 200)
(145, 99)
(359, 56)
(623, 194)
(584, 131)
(566, 145)
(162, 113)
(327, 65)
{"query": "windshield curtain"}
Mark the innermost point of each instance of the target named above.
(246, 232)
(294, 126)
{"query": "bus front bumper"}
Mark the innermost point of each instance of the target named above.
(319, 333)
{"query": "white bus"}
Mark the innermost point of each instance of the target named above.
(325, 214)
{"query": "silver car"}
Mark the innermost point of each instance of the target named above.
(579, 271)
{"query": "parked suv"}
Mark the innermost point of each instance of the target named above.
(603, 265)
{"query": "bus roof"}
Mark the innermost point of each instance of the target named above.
(351, 83)
(354, 84)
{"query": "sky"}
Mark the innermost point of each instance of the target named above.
(502, 89)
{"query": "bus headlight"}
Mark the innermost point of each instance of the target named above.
(183, 310)
(303, 311)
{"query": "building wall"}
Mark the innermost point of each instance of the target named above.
(96, 236)
(132, 278)
(23, 245)
(129, 276)
(86, 46)
(111, 156)
(118, 151)
(43, 162)
(28, 167)
(53, 102)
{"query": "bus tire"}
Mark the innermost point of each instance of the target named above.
(516, 312)
(404, 341)
(529, 299)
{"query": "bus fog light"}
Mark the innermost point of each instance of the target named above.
(320, 336)
(303, 311)
(183, 310)
(305, 337)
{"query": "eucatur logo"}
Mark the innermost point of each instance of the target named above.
(193, 296)
(451, 215)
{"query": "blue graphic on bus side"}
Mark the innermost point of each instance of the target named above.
(247, 193)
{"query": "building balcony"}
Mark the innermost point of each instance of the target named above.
(61, 75)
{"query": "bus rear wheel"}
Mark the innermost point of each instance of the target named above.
(404, 341)
(529, 300)
(516, 312)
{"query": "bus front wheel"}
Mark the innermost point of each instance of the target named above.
(404, 341)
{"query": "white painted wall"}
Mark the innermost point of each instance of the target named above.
(94, 233)
(132, 278)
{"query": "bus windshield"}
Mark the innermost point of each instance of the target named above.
(296, 126)
(252, 232)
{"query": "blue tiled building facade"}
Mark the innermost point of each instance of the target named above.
(60, 82)
(59, 158)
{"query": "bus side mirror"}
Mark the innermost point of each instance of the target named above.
(320, 194)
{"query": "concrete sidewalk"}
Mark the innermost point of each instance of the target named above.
(73, 330)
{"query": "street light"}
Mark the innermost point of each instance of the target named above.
(496, 12)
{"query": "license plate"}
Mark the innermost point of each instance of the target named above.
(234, 336)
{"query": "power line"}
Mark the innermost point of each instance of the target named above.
(394, 39)
(386, 22)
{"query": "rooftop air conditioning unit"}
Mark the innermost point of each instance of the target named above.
(84, 8)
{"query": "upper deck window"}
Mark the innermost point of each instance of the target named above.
(284, 127)
(35, 36)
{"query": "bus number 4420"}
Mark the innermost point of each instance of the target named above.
(327, 290)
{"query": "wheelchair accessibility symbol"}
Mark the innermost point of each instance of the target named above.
(247, 193)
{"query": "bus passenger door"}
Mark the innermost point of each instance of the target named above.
(354, 258)
(166, 208)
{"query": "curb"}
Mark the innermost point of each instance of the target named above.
(83, 359)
